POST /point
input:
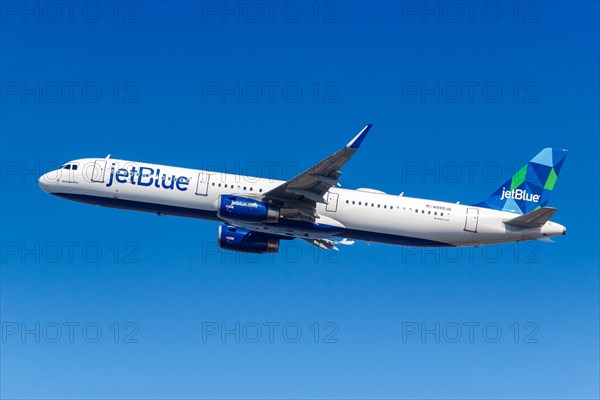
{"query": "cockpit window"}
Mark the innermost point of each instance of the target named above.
(67, 166)
(74, 167)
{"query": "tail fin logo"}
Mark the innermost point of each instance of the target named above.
(519, 194)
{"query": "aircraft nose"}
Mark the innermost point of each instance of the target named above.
(44, 183)
(50, 181)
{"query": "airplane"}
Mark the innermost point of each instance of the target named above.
(257, 213)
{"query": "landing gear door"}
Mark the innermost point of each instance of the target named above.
(202, 184)
(332, 200)
(98, 172)
(472, 220)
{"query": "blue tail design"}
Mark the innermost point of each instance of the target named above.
(531, 186)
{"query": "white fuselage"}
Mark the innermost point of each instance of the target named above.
(362, 214)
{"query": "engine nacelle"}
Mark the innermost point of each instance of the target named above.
(243, 240)
(237, 208)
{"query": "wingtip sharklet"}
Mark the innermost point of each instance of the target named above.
(358, 139)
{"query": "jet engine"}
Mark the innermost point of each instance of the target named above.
(243, 240)
(237, 208)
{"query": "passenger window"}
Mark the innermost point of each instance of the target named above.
(353, 202)
(360, 203)
(385, 206)
(416, 210)
(260, 190)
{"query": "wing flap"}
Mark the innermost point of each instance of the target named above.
(328, 244)
(324, 244)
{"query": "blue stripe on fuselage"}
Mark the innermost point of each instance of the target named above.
(141, 206)
(212, 216)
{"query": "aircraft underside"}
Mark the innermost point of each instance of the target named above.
(290, 229)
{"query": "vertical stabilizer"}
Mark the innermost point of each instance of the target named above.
(531, 186)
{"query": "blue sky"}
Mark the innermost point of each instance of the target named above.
(101, 303)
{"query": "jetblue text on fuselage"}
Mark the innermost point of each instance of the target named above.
(147, 176)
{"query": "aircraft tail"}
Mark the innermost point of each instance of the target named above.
(531, 186)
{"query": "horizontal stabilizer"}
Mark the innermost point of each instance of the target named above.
(533, 219)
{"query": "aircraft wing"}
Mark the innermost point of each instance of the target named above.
(299, 196)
